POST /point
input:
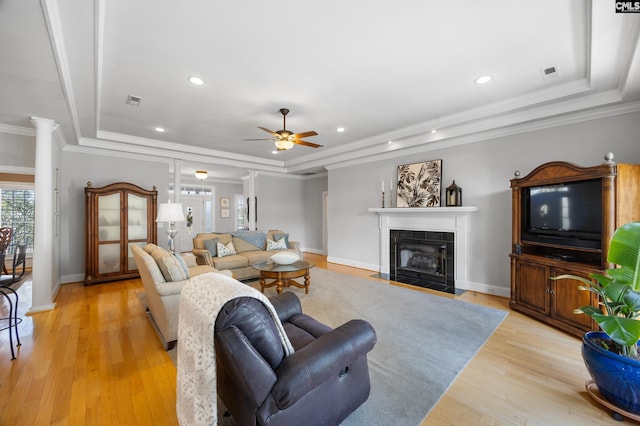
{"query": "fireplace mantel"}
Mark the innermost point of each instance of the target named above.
(425, 210)
(445, 219)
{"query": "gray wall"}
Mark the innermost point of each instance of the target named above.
(280, 205)
(17, 150)
(294, 204)
(80, 168)
(312, 204)
(228, 190)
(483, 170)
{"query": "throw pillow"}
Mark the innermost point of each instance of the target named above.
(276, 245)
(212, 246)
(278, 235)
(226, 250)
(169, 265)
(182, 264)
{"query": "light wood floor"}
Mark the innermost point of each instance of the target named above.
(96, 360)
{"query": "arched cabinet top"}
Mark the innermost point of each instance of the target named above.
(561, 171)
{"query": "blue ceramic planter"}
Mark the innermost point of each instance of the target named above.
(617, 377)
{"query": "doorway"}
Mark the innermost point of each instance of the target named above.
(198, 210)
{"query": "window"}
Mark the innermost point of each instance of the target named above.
(17, 210)
(240, 212)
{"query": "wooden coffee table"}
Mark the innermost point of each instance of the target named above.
(283, 275)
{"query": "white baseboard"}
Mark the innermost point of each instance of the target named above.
(42, 308)
(484, 288)
(73, 278)
(347, 262)
(313, 250)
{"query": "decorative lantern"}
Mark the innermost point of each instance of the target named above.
(453, 195)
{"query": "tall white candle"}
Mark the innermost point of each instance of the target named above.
(382, 185)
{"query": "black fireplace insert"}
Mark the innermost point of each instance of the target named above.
(422, 258)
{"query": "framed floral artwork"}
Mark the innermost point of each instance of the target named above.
(419, 184)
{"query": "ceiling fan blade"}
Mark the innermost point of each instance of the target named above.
(269, 131)
(305, 134)
(305, 143)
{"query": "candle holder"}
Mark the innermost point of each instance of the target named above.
(383, 199)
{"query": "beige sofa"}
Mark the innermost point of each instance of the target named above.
(250, 246)
(163, 276)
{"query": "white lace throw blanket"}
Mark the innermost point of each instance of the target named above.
(200, 301)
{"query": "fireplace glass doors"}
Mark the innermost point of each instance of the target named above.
(422, 258)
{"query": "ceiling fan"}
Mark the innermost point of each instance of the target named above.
(285, 139)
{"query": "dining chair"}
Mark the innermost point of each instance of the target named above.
(5, 239)
(6, 289)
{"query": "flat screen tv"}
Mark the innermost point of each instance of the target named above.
(567, 214)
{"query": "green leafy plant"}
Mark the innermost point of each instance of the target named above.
(619, 290)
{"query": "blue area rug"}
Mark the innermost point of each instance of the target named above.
(424, 341)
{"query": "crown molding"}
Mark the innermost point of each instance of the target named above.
(491, 133)
(18, 170)
(184, 152)
(17, 130)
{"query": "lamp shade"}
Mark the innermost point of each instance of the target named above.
(170, 212)
(201, 174)
(284, 144)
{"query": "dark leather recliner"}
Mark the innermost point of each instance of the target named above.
(323, 382)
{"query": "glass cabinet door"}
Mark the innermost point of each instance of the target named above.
(109, 217)
(109, 258)
(137, 229)
(137, 212)
(109, 233)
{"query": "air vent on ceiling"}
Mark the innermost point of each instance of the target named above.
(134, 100)
(550, 72)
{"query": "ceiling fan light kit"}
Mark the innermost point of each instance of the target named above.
(285, 139)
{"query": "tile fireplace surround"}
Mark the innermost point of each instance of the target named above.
(438, 219)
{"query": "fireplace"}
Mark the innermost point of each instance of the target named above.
(422, 258)
(438, 220)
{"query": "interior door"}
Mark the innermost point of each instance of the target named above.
(194, 206)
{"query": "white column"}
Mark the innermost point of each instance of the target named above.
(177, 180)
(42, 274)
(177, 194)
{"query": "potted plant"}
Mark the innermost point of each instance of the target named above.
(611, 355)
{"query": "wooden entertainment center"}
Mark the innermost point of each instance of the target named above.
(534, 260)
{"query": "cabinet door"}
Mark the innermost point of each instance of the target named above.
(137, 226)
(567, 297)
(109, 247)
(533, 286)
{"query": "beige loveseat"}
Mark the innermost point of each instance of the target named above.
(163, 276)
(250, 246)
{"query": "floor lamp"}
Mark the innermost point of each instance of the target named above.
(170, 213)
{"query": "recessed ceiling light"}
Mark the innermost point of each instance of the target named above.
(389, 142)
(196, 81)
(160, 129)
(434, 131)
(484, 79)
(274, 152)
(340, 129)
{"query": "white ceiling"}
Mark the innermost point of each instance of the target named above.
(382, 70)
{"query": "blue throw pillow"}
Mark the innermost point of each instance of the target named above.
(182, 264)
(212, 246)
